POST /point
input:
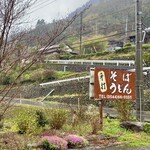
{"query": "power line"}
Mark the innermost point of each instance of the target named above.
(112, 14)
(84, 33)
(39, 3)
(101, 16)
(105, 15)
(97, 39)
(42, 6)
(121, 23)
(117, 12)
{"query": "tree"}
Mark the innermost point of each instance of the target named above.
(15, 55)
(40, 23)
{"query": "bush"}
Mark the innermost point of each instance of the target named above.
(128, 44)
(78, 113)
(26, 78)
(58, 118)
(147, 128)
(41, 119)
(9, 77)
(146, 46)
(131, 57)
(41, 75)
(26, 122)
(6, 79)
(75, 141)
(93, 117)
(47, 146)
(1, 123)
(72, 56)
(65, 56)
(53, 143)
(146, 57)
(124, 109)
(125, 49)
(88, 50)
(103, 53)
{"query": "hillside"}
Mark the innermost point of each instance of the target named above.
(104, 17)
(107, 24)
(107, 16)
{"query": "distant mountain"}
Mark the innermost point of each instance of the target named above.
(94, 1)
(113, 15)
(78, 10)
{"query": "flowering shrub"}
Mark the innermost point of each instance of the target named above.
(76, 141)
(53, 143)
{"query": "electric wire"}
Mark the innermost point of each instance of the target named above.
(116, 12)
(101, 39)
(84, 33)
(51, 2)
(39, 3)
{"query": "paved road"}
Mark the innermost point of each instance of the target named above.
(111, 111)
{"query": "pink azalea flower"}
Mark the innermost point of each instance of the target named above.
(57, 142)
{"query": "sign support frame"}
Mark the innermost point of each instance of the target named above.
(101, 104)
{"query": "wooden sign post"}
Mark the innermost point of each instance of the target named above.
(111, 84)
(114, 84)
(101, 114)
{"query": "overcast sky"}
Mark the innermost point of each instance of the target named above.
(53, 9)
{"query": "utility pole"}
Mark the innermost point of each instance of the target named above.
(126, 28)
(139, 63)
(96, 28)
(81, 27)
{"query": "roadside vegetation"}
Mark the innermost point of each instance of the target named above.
(24, 125)
(125, 53)
(38, 73)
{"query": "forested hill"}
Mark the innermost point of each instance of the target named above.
(102, 18)
(107, 13)
(109, 16)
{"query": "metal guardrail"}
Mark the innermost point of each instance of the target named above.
(92, 62)
(47, 95)
(65, 80)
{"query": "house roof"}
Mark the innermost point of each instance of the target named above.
(49, 48)
(56, 49)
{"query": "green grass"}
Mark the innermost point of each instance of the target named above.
(112, 129)
(135, 139)
(64, 75)
(125, 53)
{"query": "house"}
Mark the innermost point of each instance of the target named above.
(53, 52)
(54, 49)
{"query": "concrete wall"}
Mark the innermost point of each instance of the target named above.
(34, 91)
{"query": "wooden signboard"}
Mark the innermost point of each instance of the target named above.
(113, 84)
